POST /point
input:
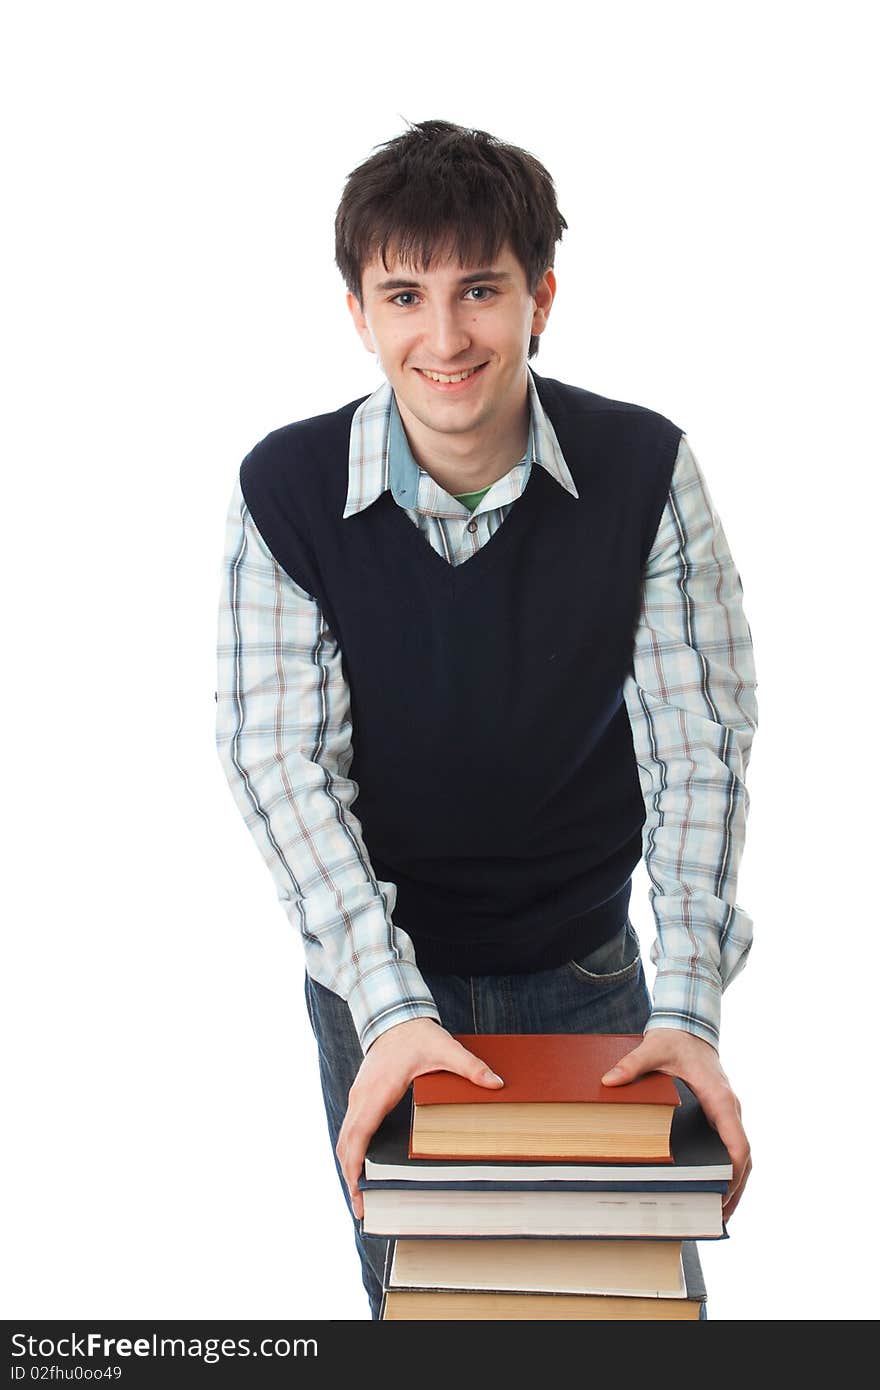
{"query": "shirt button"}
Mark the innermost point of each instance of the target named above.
(472, 526)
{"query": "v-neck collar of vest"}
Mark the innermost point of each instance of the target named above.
(456, 579)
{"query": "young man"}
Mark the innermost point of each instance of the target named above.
(481, 647)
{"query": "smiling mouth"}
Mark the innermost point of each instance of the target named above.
(446, 379)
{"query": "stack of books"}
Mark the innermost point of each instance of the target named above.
(551, 1197)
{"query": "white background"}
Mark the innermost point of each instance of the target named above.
(172, 173)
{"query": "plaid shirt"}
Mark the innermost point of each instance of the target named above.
(282, 693)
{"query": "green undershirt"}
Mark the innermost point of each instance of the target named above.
(471, 499)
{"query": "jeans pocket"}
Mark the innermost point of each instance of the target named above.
(613, 963)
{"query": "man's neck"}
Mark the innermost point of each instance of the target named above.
(472, 461)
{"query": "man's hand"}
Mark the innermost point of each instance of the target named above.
(391, 1062)
(695, 1062)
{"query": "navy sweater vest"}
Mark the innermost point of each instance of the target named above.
(498, 787)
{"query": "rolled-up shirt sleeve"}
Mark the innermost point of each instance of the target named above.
(284, 739)
(692, 704)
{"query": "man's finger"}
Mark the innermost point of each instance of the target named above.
(351, 1158)
(629, 1067)
(357, 1202)
(472, 1068)
(351, 1161)
(732, 1200)
(724, 1116)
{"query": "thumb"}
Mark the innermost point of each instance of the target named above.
(633, 1064)
(474, 1069)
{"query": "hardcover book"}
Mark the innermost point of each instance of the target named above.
(552, 1106)
(549, 1210)
(629, 1268)
(515, 1299)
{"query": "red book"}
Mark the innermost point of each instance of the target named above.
(552, 1104)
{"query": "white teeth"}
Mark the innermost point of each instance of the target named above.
(460, 376)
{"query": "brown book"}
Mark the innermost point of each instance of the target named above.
(552, 1104)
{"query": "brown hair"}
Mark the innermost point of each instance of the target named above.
(444, 188)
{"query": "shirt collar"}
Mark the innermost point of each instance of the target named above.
(380, 457)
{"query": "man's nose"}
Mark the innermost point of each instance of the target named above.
(447, 334)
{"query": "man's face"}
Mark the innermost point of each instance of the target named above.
(448, 320)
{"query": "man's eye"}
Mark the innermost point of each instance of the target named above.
(484, 291)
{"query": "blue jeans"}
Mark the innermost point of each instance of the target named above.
(603, 992)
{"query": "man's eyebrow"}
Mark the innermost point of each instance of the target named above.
(469, 279)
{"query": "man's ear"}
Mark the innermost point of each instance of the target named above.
(543, 297)
(360, 323)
